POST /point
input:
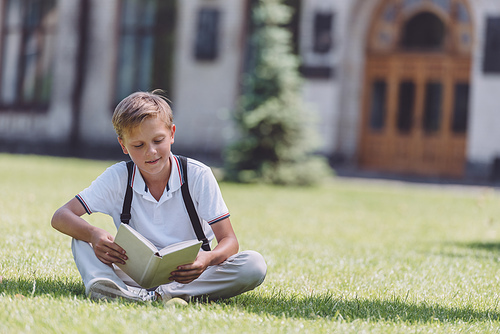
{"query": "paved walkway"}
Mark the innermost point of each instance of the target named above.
(353, 174)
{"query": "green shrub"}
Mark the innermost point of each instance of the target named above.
(277, 142)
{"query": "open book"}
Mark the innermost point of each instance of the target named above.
(148, 266)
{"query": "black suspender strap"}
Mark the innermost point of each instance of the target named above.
(127, 202)
(188, 202)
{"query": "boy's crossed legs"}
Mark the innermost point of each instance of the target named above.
(239, 273)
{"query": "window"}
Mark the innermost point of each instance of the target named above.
(28, 43)
(323, 32)
(443, 4)
(460, 108)
(317, 58)
(411, 4)
(462, 13)
(424, 31)
(422, 26)
(377, 114)
(390, 13)
(207, 35)
(491, 62)
(146, 44)
(432, 112)
(406, 105)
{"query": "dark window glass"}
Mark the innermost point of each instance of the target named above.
(406, 105)
(462, 13)
(432, 111)
(460, 108)
(27, 55)
(390, 13)
(323, 32)
(424, 31)
(443, 4)
(145, 54)
(491, 61)
(207, 35)
(410, 4)
(377, 112)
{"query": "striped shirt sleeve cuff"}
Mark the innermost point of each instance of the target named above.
(85, 206)
(218, 219)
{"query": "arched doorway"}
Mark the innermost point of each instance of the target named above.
(416, 90)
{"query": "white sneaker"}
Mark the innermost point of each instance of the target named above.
(104, 288)
(162, 295)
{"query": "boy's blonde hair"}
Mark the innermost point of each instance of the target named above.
(139, 106)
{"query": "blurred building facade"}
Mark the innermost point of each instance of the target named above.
(403, 86)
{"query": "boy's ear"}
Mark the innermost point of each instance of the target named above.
(124, 149)
(172, 134)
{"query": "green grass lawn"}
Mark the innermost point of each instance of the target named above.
(349, 256)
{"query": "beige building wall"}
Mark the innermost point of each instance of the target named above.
(484, 118)
(206, 92)
(322, 94)
(97, 101)
(338, 100)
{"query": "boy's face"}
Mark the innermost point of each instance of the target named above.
(148, 145)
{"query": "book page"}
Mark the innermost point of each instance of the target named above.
(136, 234)
(185, 253)
(174, 247)
(140, 252)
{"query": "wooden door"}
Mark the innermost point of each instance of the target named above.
(416, 102)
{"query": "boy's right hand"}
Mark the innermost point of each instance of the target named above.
(67, 219)
(105, 249)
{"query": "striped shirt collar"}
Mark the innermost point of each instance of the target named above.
(174, 183)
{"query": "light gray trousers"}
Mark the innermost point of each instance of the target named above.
(239, 273)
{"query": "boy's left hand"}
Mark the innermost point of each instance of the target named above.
(227, 245)
(189, 272)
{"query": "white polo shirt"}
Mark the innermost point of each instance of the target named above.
(166, 221)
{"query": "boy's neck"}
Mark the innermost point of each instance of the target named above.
(157, 183)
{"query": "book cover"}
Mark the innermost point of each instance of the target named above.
(148, 266)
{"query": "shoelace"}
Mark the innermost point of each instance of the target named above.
(151, 296)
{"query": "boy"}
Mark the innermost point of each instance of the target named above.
(144, 125)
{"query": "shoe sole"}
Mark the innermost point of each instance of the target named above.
(108, 290)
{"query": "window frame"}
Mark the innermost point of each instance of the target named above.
(160, 30)
(44, 39)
